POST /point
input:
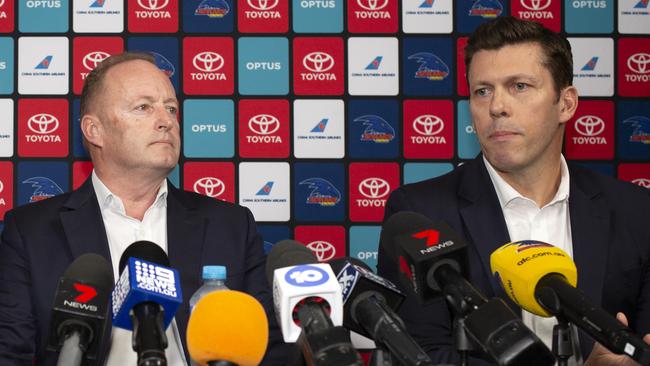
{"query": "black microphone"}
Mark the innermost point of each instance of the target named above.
(369, 304)
(80, 309)
(430, 260)
(145, 300)
(308, 304)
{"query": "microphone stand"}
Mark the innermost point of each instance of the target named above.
(562, 344)
(463, 343)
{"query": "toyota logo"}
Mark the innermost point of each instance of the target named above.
(209, 186)
(324, 251)
(153, 4)
(2, 2)
(643, 182)
(263, 124)
(208, 61)
(374, 188)
(639, 63)
(263, 4)
(43, 123)
(372, 4)
(535, 4)
(2, 186)
(318, 62)
(93, 59)
(428, 125)
(589, 125)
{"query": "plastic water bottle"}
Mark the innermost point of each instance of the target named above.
(214, 279)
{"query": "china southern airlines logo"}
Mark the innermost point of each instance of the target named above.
(642, 4)
(164, 64)
(591, 65)
(44, 64)
(266, 189)
(43, 188)
(320, 127)
(98, 4)
(486, 8)
(431, 66)
(641, 126)
(377, 129)
(426, 4)
(323, 192)
(213, 8)
(374, 65)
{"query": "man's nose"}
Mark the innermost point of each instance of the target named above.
(499, 104)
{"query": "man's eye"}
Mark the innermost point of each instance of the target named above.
(142, 107)
(481, 92)
(172, 110)
(521, 86)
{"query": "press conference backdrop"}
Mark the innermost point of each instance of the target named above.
(309, 112)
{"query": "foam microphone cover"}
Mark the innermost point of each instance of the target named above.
(228, 326)
(145, 250)
(287, 253)
(520, 266)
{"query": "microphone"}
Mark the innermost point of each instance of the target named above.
(308, 304)
(541, 278)
(80, 309)
(145, 299)
(227, 328)
(369, 302)
(431, 259)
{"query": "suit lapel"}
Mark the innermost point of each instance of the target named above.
(483, 219)
(590, 239)
(185, 237)
(82, 223)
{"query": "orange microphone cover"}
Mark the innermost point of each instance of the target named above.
(228, 326)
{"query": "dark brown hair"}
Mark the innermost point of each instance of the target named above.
(93, 82)
(508, 30)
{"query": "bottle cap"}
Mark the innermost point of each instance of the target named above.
(214, 272)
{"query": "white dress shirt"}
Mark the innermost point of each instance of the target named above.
(550, 224)
(122, 231)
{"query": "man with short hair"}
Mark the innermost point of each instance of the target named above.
(521, 187)
(129, 121)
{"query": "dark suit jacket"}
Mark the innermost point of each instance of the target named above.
(610, 230)
(40, 241)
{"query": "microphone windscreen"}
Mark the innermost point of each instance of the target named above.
(145, 250)
(520, 266)
(287, 253)
(228, 326)
(91, 268)
(399, 223)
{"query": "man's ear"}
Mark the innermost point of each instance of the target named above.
(568, 103)
(91, 127)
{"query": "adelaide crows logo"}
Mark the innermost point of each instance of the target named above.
(486, 8)
(322, 192)
(43, 188)
(431, 66)
(641, 129)
(164, 64)
(213, 8)
(377, 129)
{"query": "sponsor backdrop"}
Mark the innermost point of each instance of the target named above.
(309, 112)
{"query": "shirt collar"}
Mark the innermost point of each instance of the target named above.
(106, 198)
(506, 193)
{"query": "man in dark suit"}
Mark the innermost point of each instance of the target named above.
(130, 127)
(520, 187)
